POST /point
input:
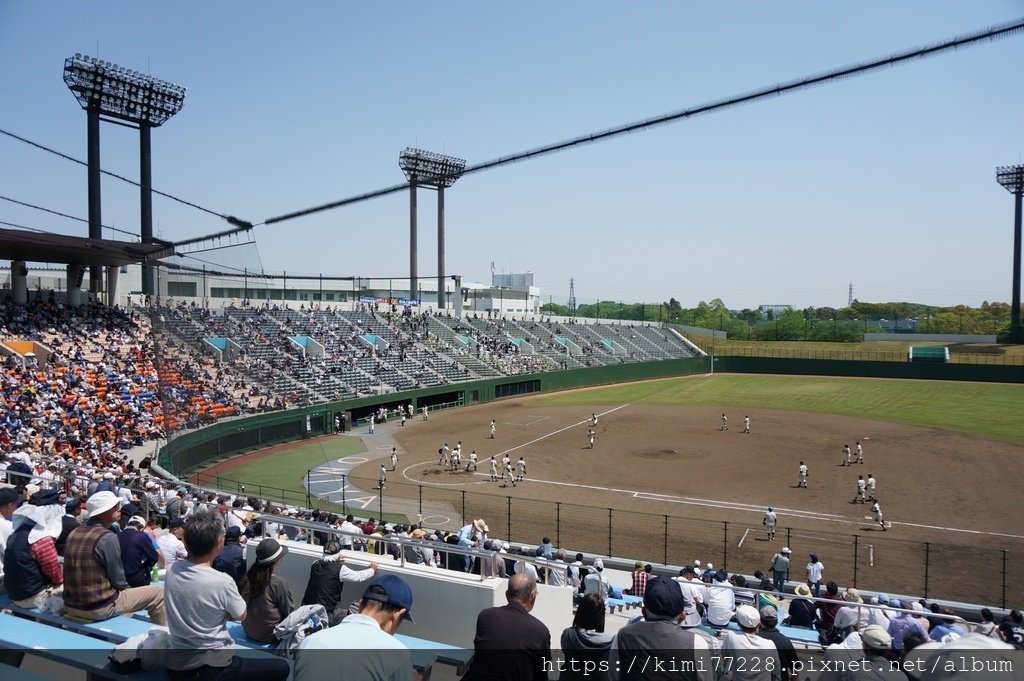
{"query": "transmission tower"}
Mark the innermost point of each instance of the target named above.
(849, 301)
(572, 298)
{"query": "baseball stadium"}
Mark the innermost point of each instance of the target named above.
(455, 434)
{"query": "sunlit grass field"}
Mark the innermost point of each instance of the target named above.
(984, 409)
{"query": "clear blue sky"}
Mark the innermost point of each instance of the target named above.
(886, 180)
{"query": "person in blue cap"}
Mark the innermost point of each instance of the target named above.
(379, 656)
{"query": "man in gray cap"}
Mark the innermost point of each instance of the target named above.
(659, 640)
(877, 646)
(787, 652)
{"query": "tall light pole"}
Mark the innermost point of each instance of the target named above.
(1012, 180)
(122, 96)
(436, 171)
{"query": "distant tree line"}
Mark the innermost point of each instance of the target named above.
(848, 324)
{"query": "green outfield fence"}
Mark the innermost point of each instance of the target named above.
(868, 559)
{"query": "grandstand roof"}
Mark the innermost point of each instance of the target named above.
(57, 248)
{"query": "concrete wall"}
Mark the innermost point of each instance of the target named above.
(445, 602)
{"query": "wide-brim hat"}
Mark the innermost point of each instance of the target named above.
(269, 551)
(101, 502)
(802, 590)
(480, 525)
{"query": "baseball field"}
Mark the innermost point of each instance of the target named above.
(665, 484)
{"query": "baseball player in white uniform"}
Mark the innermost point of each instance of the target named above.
(394, 458)
(770, 518)
(494, 427)
(590, 436)
(725, 422)
(593, 420)
(878, 515)
(383, 475)
(373, 419)
(746, 424)
(862, 486)
(521, 466)
(846, 455)
(860, 452)
(870, 483)
(507, 477)
(456, 459)
(802, 475)
(494, 470)
(442, 454)
(472, 461)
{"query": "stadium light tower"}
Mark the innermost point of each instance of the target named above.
(125, 97)
(1012, 179)
(427, 169)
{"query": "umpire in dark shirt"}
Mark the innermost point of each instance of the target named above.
(231, 560)
(769, 630)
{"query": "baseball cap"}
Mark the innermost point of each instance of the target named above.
(175, 523)
(101, 502)
(233, 532)
(663, 598)
(137, 520)
(785, 550)
(769, 614)
(875, 636)
(391, 590)
(747, 616)
(332, 547)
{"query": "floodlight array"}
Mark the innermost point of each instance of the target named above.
(121, 93)
(1011, 177)
(429, 168)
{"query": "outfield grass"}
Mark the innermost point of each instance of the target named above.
(288, 469)
(983, 409)
(867, 350)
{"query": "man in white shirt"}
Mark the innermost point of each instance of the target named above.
(170, 545)
(720, 601)
(349, 526)
(693, 593)
(745, 654)
(527, 567)
(556, 569)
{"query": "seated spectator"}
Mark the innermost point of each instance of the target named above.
(556, 569)
(641, 574)
(72, 509)
(9, 500)
(948, 629)
(802, 611)
(902, 624)
(231, 559)
(787, 651)
(267, 599)
(584, 644)
(138, 554)
(95, 587)
(31, 569)
(747, 656)
(524, 566)
(596, 582)
(170, 545)
(719, 600)
(386, 602)
(199, 602)
(742, 595)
